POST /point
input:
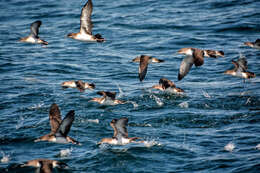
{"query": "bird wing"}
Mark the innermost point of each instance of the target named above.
(35, 28)
(236, 65)
(66, 123)
(214, 53)
(120, 125)
(45, 167)
(242, 64)
(143, 66)
(55, 118)
(198, 57)
(185, 66)
(166, 83)
(107, 94)
(257, 42)
(113, 125)
(85, 18)
(80, 85)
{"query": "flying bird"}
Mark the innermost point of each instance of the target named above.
(86, 25)
(255, 44)
(120, 136)
(59, 128)
(79, 84)
(109, 98)
(45, 165)
(195, 56)
(167, 86)
(240, 69)
(33, 37)
(143, 65)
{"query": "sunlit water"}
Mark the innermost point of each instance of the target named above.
(214, 127)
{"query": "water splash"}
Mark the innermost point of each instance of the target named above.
(5, 158)
(121, 93)
(184, 104)
(151, 143)
(36, 106)
(65, 153)
(157, 100)
(20, 123)
(258, 147)
(93, 121)
(135, 105)
(41, 120)
(248, 101)
(229, 147)
(206, 94)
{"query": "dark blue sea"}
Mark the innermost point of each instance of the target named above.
(185, 133)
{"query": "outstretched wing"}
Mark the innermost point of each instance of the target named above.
(214, 53)
(66, 123)
(185, 66)
(121, 127)
(80, 85)
(55, 118)
(242, 64)
(143, 66)
(113, 125)
(198, 57)
(111, 95)
(85, 18)
(35, 28)
(257, 42)
(166, 83)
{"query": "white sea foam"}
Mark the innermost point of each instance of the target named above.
(65, 153)
(20, 123)
(184, 105)
(230, 147)
(258, 147)
(151, 143)
(5, 158)
(135, 105)
(206, 94)
(157, 100)
(37, 106)
(93, 120)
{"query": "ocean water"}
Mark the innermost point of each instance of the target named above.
(214, 127)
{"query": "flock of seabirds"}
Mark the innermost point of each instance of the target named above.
(61, 127)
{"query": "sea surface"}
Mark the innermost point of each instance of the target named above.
(182, 133)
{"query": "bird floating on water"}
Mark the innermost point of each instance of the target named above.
(85, 33)
(79, 84)
(240, 69)
(33, 37)
(143, 66)
(109, 98)
(167, 86)
(120, 136)
(59, 128)
(45, 165)
(195, 56)
(255, 44)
